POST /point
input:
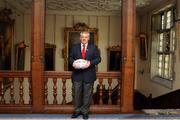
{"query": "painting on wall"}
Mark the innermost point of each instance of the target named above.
(142, 38)
(72, 35)
(20, 56)
(114, 58)
(6, 40)
(49, 61)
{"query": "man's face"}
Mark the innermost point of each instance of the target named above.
(84, 37)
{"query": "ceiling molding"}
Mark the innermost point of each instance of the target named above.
(15, 5)
(92, 13)
(96, 7)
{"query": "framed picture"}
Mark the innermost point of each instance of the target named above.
(142, 38)
(20, 56)
(72, 35)
(6, 42)
(114, 58)
(49, 61)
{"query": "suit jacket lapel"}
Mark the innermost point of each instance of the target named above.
(79, 50)
(87, 50)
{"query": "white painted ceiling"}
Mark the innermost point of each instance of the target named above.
(77, 5)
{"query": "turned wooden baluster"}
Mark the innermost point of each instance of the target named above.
(64, 91)
(110, 91)
(100, 91)
(55, 90)
(2, 93)
(12, 101)
(119, 93)
(30, 91)
(21, 100)
(46, 91)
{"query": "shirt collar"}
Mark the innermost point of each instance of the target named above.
(85, 45)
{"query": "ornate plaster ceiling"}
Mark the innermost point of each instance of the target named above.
(78, 5)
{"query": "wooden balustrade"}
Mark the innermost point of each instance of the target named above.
(12, 92)
(110, 91)
(46, 91)
(30, 91)
(100, 91)
(21, 92)
(55, 92)
(63, 106)
(2, 93)
(64, 91)
(8, 79)
(12, 101)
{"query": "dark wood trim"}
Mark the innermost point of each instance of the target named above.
(68, 109)
(5, 73)
(15, 109)
(63, 74)
(67, 74)
(128, 65)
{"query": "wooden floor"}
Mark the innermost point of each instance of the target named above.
(91, 117)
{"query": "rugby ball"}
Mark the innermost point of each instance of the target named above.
(80, 63)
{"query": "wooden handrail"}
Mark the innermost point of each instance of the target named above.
(67, 74)
(8, 73)
(63, 74)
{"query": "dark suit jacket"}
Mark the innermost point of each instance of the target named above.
(88, 75)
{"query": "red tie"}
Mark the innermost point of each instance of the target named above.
(83, 52)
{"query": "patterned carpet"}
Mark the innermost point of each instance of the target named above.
(91, 117)
(162, 111)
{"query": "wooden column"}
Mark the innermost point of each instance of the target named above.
(128, 38)
(37, 55)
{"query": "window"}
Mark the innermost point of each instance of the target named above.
(163, 45)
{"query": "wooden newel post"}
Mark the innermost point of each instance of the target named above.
(37, 55)
(128, 58)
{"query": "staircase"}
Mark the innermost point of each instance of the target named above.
(166, 101)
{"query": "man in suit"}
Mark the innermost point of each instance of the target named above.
(83, 79)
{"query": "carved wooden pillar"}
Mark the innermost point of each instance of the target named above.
(37, 54)
(128, 38)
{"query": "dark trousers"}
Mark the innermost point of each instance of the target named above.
(82, 96)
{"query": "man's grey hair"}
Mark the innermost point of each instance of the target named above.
(85, 32)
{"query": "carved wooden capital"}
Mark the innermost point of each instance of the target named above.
(81, 27)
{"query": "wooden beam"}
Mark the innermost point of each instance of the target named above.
(20, 109)
(37, 55)
(68, 109)
(128, 38)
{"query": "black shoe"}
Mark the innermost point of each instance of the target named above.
(85, 116)
(75, 115)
